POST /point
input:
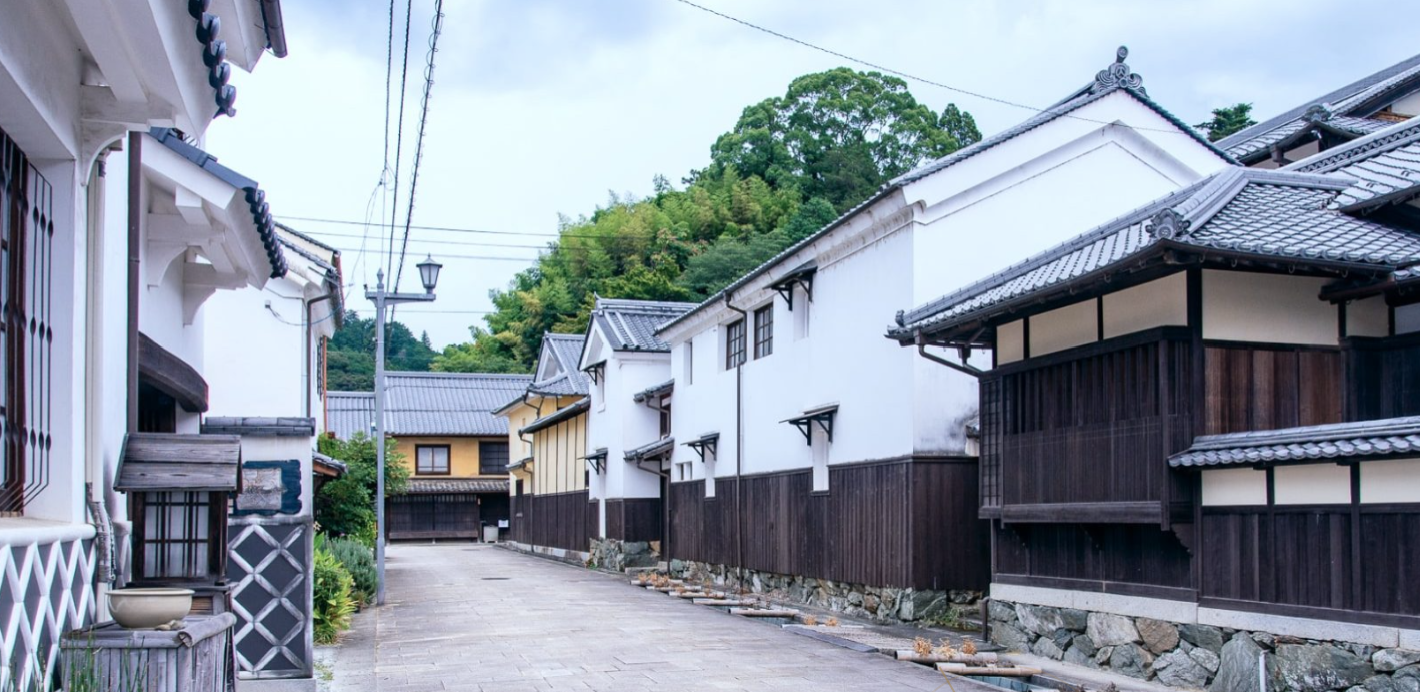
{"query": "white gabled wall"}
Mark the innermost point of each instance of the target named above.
(617, 422)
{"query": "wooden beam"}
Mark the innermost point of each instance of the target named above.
(167, 372)
(1084, 512)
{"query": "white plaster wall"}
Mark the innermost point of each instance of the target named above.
(1408, 105)
(1392, 480)
(1407, 319)
(1311, 484)
(40, 65)
(1237, 486)
(261, 355)
(706, 402)
(1368, 317)
(628, 374)
(284, 449)
(1064, 328)
(1272, 308)
(1158, 303)
(1045, 187)
(1010, 342)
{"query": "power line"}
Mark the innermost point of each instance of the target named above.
(908, 75)
(419, 140)
(472, 257)
(469, 243)
(399, 132)
(448, 229)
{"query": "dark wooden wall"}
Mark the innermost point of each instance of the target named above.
(634, 519)
(901, 523)
(1134, 559)
(1383, 377)
(1266, 387)
(443, 515)
(1353, 562)
(563, 520)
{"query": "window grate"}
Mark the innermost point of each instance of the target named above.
(492, 458)
(26, 329)
(764, 331)
(734, 344)
(176, 540)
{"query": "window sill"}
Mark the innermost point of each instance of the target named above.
(24, 530)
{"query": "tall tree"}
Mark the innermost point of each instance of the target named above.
(350, 355)
(1227, 121)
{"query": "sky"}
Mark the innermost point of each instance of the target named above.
(546, 107)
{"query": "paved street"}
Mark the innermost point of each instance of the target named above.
(466, 617)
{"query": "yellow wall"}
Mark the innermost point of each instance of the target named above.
(463, 454)
(558, 453)
(518, 418)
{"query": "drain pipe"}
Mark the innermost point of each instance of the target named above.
(739, 455)
(309, 374)
(135, 220)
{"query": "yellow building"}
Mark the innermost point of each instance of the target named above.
(547, 430)
(456, 448)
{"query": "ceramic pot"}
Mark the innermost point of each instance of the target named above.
(148, 607)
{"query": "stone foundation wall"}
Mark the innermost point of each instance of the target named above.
(1200, 656)
(616, 555)
(880, 604)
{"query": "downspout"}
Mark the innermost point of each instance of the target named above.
(135, 220)
(963, 367)
(739, 454)
(94, 448)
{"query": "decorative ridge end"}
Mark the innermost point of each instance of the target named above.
(1118, 75)
(1168, 224)
(1318, 113)
(900, 318)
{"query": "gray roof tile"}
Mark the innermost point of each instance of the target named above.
(1349, 100)
(347, 413)
(440, 403)
(428, 486)
(630, 325)
(1385, 166)
(1247, 211)
(566, 351)
(1312, 443)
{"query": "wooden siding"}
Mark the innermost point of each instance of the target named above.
(1113, 558)
(634, 519)
(1345, 562)
(1266, 387)
(901, 523)
(1383, 377)
(1090, 425)
(442, 515)
(565, 520)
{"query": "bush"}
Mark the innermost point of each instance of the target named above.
(332, 601)
(345, 506)
(359, 561)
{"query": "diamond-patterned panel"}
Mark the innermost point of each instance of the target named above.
(269, 564)
(46, 589)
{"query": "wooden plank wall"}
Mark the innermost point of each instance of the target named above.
(900, 523)
(1383, 377)
(563, 520)
(1266, 387)
(445, 515)
(1333, 557)
(634, 519)
(1092, 558)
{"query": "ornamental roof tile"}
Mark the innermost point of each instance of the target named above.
(1312, 443)
(429, 486)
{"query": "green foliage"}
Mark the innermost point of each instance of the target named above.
(789, 166)
(1227, 121)
(359, 561)
(332, 603)
(345, 506)
(350, 355)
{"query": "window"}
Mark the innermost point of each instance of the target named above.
(683, 471)
(431, 459)
(819, 451)
(689, 375)
(26, 254)
(764, 331)
(801, 314)
(172, 530)
(492, 458)
(734, 344)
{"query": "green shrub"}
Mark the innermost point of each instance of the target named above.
(332, 601)
(359, 561)
(345, 506)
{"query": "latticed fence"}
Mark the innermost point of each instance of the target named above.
(268, 566)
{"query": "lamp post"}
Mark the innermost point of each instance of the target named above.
(429, 276)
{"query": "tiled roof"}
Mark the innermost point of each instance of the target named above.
(441, 403)
(630, 325)
(565, 350)
(347, 413)
(567, 412)
(259, 426)
(1245, 212)
(654, 391)
(1348, 101)
(651, 450)
(1094, 91)
(328, 465)
(1385, 166)
(428, 486)
(1336, 441)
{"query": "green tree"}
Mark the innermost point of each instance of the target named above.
(345, 506)
(839, 135)
(350, 355)
(1227, 121)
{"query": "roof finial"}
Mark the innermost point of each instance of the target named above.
(1118, 75)
(1168, 225)
(1318, 113)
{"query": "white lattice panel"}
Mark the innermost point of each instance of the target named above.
(46, 589)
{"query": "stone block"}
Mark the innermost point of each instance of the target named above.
(1391, 660)
(1178, 669)
(1237, 667)
(1131, 660)
(1046, 648)
(1111, 630)
(1205, 636)
(1157, 635)
(1042, 620)
(1321, 668)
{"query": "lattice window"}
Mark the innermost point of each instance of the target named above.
(764, 331)
(432, 460)
(26, 332)
(179, 536)
(493, 458)
(734, 344)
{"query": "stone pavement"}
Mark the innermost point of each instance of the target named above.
(473, 617)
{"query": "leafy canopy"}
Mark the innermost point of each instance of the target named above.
(1227, 121)
(345, 506)
(350, 355)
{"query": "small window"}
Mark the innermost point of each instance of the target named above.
(431, 460)
(683, 471)
(764, 331)
(689, 367)
(492, 458)
(734, 344)
(801, 313)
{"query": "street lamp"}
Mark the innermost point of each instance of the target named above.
(429, 276)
